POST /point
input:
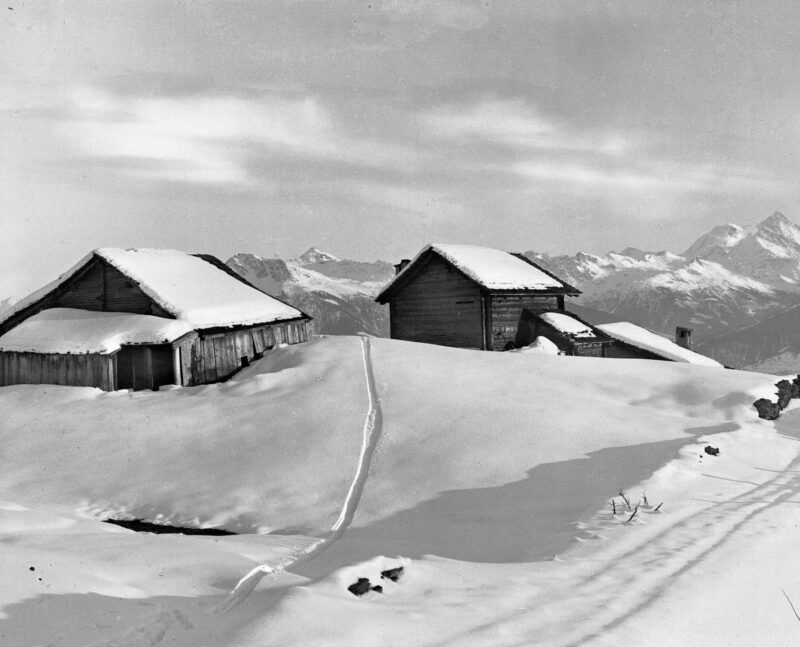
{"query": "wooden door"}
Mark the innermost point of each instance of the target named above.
(145, 367)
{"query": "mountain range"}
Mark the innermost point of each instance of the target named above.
(738, 288)
(339, 294)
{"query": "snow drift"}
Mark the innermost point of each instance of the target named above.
(489, 483)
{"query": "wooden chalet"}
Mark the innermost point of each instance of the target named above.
(140, 319)
(475, 297)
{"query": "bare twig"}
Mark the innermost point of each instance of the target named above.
(658, 507)
(635, 510)
(614, 506)
(791, 605)
(625, 499)
(644, 498)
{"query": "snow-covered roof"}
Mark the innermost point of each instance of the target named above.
(567, 324)
(493, 269)
(188, 287)
(68, 330)
(642, 338)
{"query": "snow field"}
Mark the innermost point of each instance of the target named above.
(490, 483)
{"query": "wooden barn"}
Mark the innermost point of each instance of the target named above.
(475, 297)
(140, 319)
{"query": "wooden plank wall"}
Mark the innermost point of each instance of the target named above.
(439, 306)
(45, 368)
(203, 359)
(210, 358)
(589, 349)
(506, 314)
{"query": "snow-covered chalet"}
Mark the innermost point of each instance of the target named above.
(476, 297)
(140, 319)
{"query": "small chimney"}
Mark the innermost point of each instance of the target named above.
(683, 337)
(399, 267)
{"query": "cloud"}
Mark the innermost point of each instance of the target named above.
(512, 137)
(515, 124)
(431, 203)
(212, 139)
(649, 176)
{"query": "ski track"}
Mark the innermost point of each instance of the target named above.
(373, 426)
(617, 583)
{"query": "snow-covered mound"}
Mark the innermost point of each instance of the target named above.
(468, 469)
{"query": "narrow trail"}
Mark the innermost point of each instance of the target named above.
(626, 577)
(373, 426)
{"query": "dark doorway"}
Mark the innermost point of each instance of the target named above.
(145, 367)
(526, 329)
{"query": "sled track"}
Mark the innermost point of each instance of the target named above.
(373, 426)
(618, 583)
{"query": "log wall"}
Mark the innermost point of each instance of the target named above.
(507, 321)
(439, 306)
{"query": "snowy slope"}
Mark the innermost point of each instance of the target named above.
(771, 345)
(472, 488)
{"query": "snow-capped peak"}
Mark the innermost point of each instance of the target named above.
(314, 255)
(716, 241)
(778, 229)
(700, 274)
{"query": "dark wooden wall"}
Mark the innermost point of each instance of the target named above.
(590, 349)
(41, 368)
(509, 324)
(203, 359)
(622, 350)
(98, 286)
(438, 306)
(211, 357)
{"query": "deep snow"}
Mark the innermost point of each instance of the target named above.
(490, 482)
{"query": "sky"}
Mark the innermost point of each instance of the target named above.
(370, 128)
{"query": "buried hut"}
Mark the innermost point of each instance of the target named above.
(635, 342)
(476, 297)
(140, 319)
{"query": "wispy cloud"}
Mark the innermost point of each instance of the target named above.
(211, 140)
(430, 203)
(516, 124)
(649, 176)
(554, 152)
